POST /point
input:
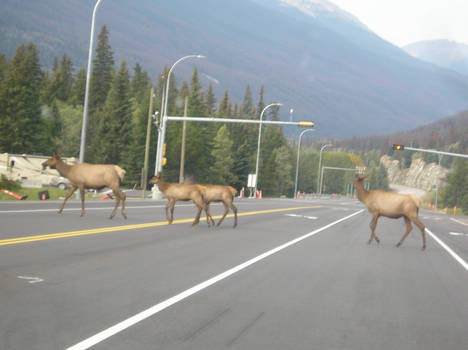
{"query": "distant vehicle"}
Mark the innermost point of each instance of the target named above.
(60, 182)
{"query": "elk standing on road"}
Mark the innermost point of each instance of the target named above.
(90, 176)
(181, 192)
(218, 193)
(391, 205)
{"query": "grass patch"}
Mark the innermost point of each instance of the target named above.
(33, 193)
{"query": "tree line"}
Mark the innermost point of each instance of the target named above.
(41, 113)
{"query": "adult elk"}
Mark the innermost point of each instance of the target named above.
(181, 192)
(218, 193)
(391, 205)
(90, 176)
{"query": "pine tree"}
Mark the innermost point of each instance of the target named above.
(247, 104)
(100, 84)
(102, 74)
(455, 192)
(21, 125)
(3, 67)
(210, 102)
(223, 108)
(140, 83)
(261, 104)
(221, 170)
(115, 123)
(79, 88)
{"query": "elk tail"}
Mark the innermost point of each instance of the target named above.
(416, 200)
(120, 172)
(232, 190)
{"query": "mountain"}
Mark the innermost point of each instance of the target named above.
(444, 53)
(449, 134)
(310, 55)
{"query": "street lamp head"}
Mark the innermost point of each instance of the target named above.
(200, 56)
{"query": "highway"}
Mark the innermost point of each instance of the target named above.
(294, 274)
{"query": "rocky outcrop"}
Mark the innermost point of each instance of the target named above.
(418, 175)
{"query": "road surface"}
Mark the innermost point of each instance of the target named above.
(294, 274)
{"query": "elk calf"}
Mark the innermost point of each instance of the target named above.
(181, 192)
(218, 193)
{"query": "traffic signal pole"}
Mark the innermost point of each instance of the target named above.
(439, 153)
(403, 147)
(165, 119)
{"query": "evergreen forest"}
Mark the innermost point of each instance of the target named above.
(42, 113)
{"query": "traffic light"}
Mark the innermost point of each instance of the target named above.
(306, 124)
(164, 160)
(398, 147)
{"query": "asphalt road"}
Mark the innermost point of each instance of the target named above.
(294, 274)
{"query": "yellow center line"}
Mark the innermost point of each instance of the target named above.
(35, 238)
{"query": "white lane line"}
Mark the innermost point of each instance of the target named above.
(458, 221)
(302, 216)
(119, 327)
(458, 234)
(31, 279)
(449, 250)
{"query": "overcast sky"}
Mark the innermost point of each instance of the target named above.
(403, 22)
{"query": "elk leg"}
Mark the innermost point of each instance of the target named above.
(421, 226)
(117, 201)
(234, 209)
(124, 197)
(197, 217)
(409, 227)
(73, 189)
(373, 225)
(208, 215)
(226, 210)
(82, 195)
(170, 204)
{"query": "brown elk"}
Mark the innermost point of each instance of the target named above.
(181, 192)
(391, 205)
(218, 193)
(90, 176)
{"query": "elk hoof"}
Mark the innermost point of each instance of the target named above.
(423, 248)
(398, 244)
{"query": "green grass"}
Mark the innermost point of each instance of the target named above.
(33, 193)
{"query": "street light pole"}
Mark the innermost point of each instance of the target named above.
(259, 138)
(319, 182)
(297, 161)
(162, 127)
(88, 75)
(164, 114)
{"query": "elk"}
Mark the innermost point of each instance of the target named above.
(90, 176)
(391, 205)
(181, 192)
(218, 193)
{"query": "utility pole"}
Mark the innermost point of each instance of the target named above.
(148, 135)
(182, 149)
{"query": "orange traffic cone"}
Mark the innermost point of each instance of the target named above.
(14, 195)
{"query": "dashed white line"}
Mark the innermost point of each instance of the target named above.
(449, 250)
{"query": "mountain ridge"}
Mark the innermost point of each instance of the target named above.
(342, 76)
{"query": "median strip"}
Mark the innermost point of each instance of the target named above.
(36, 238)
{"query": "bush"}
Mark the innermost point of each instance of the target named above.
(10, 185)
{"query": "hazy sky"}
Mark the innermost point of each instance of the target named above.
(405, 21)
